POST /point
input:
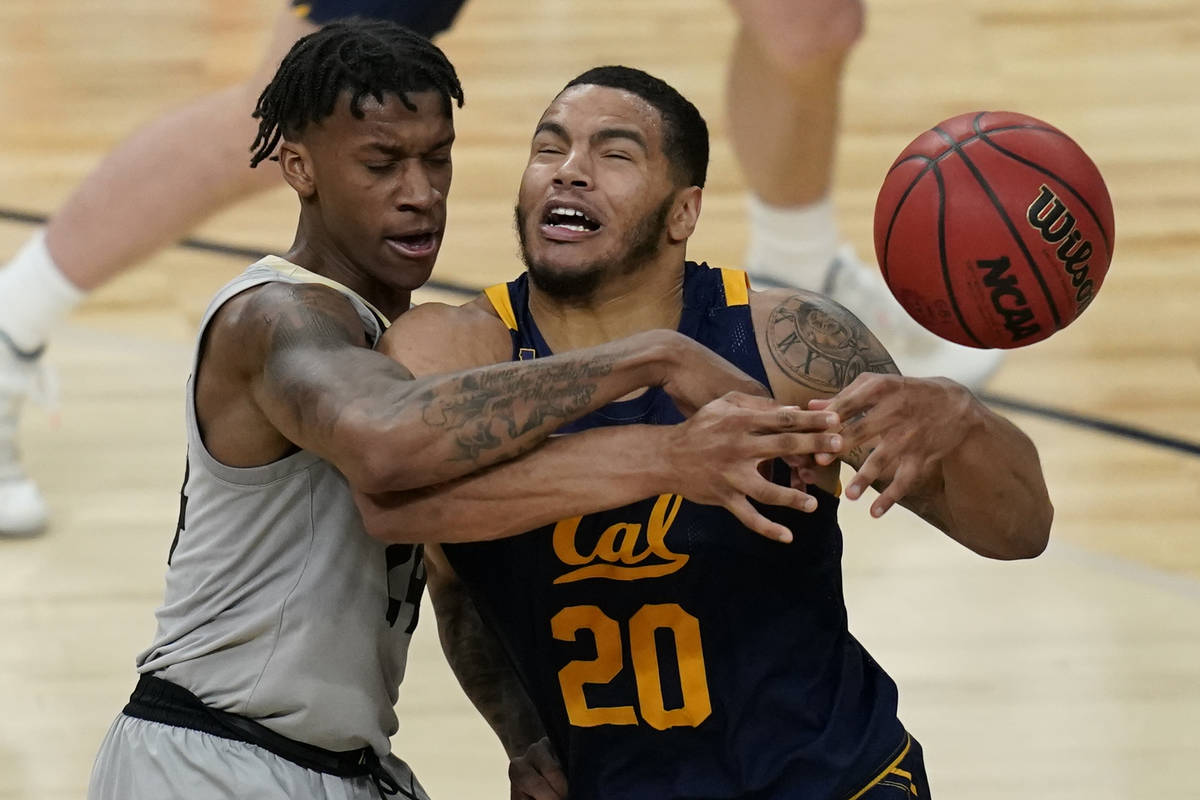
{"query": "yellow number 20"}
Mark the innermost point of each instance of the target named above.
(644, 653)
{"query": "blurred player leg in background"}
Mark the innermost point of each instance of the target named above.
(783, 100)
(147, 193)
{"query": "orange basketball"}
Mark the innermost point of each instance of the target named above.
(994, 229)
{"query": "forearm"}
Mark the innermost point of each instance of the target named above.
(567, 476)
(440, 428)
(483, 670)
(991, 497)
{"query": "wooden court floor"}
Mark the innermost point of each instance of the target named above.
(1075, 676)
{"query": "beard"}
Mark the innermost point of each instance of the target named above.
(641, 245)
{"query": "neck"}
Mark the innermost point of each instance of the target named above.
(314, 252)
(649, 299)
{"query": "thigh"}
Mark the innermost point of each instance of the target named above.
(904, 780)
(426, 17)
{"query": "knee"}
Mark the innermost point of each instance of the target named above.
(796, 36)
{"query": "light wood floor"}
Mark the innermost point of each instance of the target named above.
(1074, 676)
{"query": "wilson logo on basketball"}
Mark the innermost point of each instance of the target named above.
(623, 549)
(1008, 300)
(1049, 217)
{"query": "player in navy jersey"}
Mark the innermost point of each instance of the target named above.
(678, 645)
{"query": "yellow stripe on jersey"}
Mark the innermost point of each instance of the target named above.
(737, 287)
(498, 295)
(887, 770)
(302, 10)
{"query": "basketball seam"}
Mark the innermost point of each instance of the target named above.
(1034, 165)
(945, 264)
(1012, 228)
(932, 162)
(887, 240)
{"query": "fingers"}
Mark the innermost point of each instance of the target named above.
(740, 507)
(903, 483)
(527, 782)
(544, 761)
(863, 392)
(866, 475)
(778, 445)
(773, 494)
(751, 401)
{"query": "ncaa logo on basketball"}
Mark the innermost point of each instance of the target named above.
(1050, 218)
(1008, 299)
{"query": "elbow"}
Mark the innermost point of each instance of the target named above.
(384, 519)
(373, 461)
(1038, 536)
(1029, 537)
(379, 469)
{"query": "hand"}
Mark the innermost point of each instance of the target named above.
(715, 455)
(898, 430)
(537, 774)
(696, 375)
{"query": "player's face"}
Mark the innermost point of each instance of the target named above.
(596, 192)
(381, 184)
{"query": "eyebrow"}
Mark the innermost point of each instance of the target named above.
(602, 135)
(606, 134)
(391, 150)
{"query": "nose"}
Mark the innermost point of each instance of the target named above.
(416, 192)
(573, 171)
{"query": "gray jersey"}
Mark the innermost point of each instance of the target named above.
(279, 607)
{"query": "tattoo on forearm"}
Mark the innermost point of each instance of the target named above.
(821, 345)
(493, 408)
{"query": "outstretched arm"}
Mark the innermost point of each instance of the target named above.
(303, 353)
(928, 444)
(712, 458)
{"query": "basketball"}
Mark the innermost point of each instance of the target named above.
(994, 229)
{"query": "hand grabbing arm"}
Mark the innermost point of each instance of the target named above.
(713, 458)
(927, 444)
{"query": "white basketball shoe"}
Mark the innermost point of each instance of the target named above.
(22, 508)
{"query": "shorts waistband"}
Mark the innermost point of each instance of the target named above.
(158, 700)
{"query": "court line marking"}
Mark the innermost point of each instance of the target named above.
(1110, 427)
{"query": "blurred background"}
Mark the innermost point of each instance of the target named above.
(1076, 675)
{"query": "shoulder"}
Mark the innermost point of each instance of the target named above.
(437, 337)
(811, 345)
(279, 315)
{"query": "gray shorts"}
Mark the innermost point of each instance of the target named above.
(143, 760)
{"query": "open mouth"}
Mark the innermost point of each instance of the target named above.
(414, 245)
(561, 223)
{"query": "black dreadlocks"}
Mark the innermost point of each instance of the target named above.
(364, 57)
(685, 134)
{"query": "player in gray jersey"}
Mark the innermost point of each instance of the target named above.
(282, 638)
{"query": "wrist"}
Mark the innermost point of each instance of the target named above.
(659, 472)
(662, 352)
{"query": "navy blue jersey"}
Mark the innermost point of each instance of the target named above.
(670, 651)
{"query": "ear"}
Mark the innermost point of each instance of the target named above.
(295, 162)
(681, 222)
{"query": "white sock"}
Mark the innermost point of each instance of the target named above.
(34, 295)
(792, 245)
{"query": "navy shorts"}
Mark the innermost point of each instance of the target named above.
(903, 779)
(426, 17)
